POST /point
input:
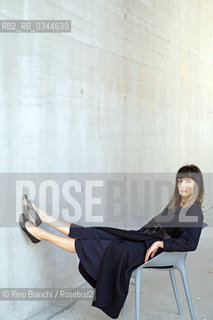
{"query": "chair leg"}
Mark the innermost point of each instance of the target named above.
(182, 270)
(174, 285)
(138, 292)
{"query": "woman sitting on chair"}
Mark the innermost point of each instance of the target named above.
(180, 221)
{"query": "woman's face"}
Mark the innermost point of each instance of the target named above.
(185, 187)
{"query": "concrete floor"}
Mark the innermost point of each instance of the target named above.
(157, 298)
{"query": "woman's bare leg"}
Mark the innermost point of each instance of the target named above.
(60, 241)
(58, 224)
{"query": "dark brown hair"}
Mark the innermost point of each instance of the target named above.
(193, 172)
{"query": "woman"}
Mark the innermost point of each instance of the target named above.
(180, 221)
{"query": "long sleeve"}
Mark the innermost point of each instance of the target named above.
(187, 240)
(184, 235)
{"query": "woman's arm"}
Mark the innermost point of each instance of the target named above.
(187, 237)
(187, 240)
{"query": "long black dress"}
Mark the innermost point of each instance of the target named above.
(90, 247)
(92, 241)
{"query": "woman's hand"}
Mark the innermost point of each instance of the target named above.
(153, 249)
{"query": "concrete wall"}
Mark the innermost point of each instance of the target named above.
(128, 90)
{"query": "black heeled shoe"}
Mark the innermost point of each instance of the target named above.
(36, 219)
(22, 220)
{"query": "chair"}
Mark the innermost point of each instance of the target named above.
(165, 261)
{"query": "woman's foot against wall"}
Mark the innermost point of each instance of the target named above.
(36, 214)
(37, 232)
